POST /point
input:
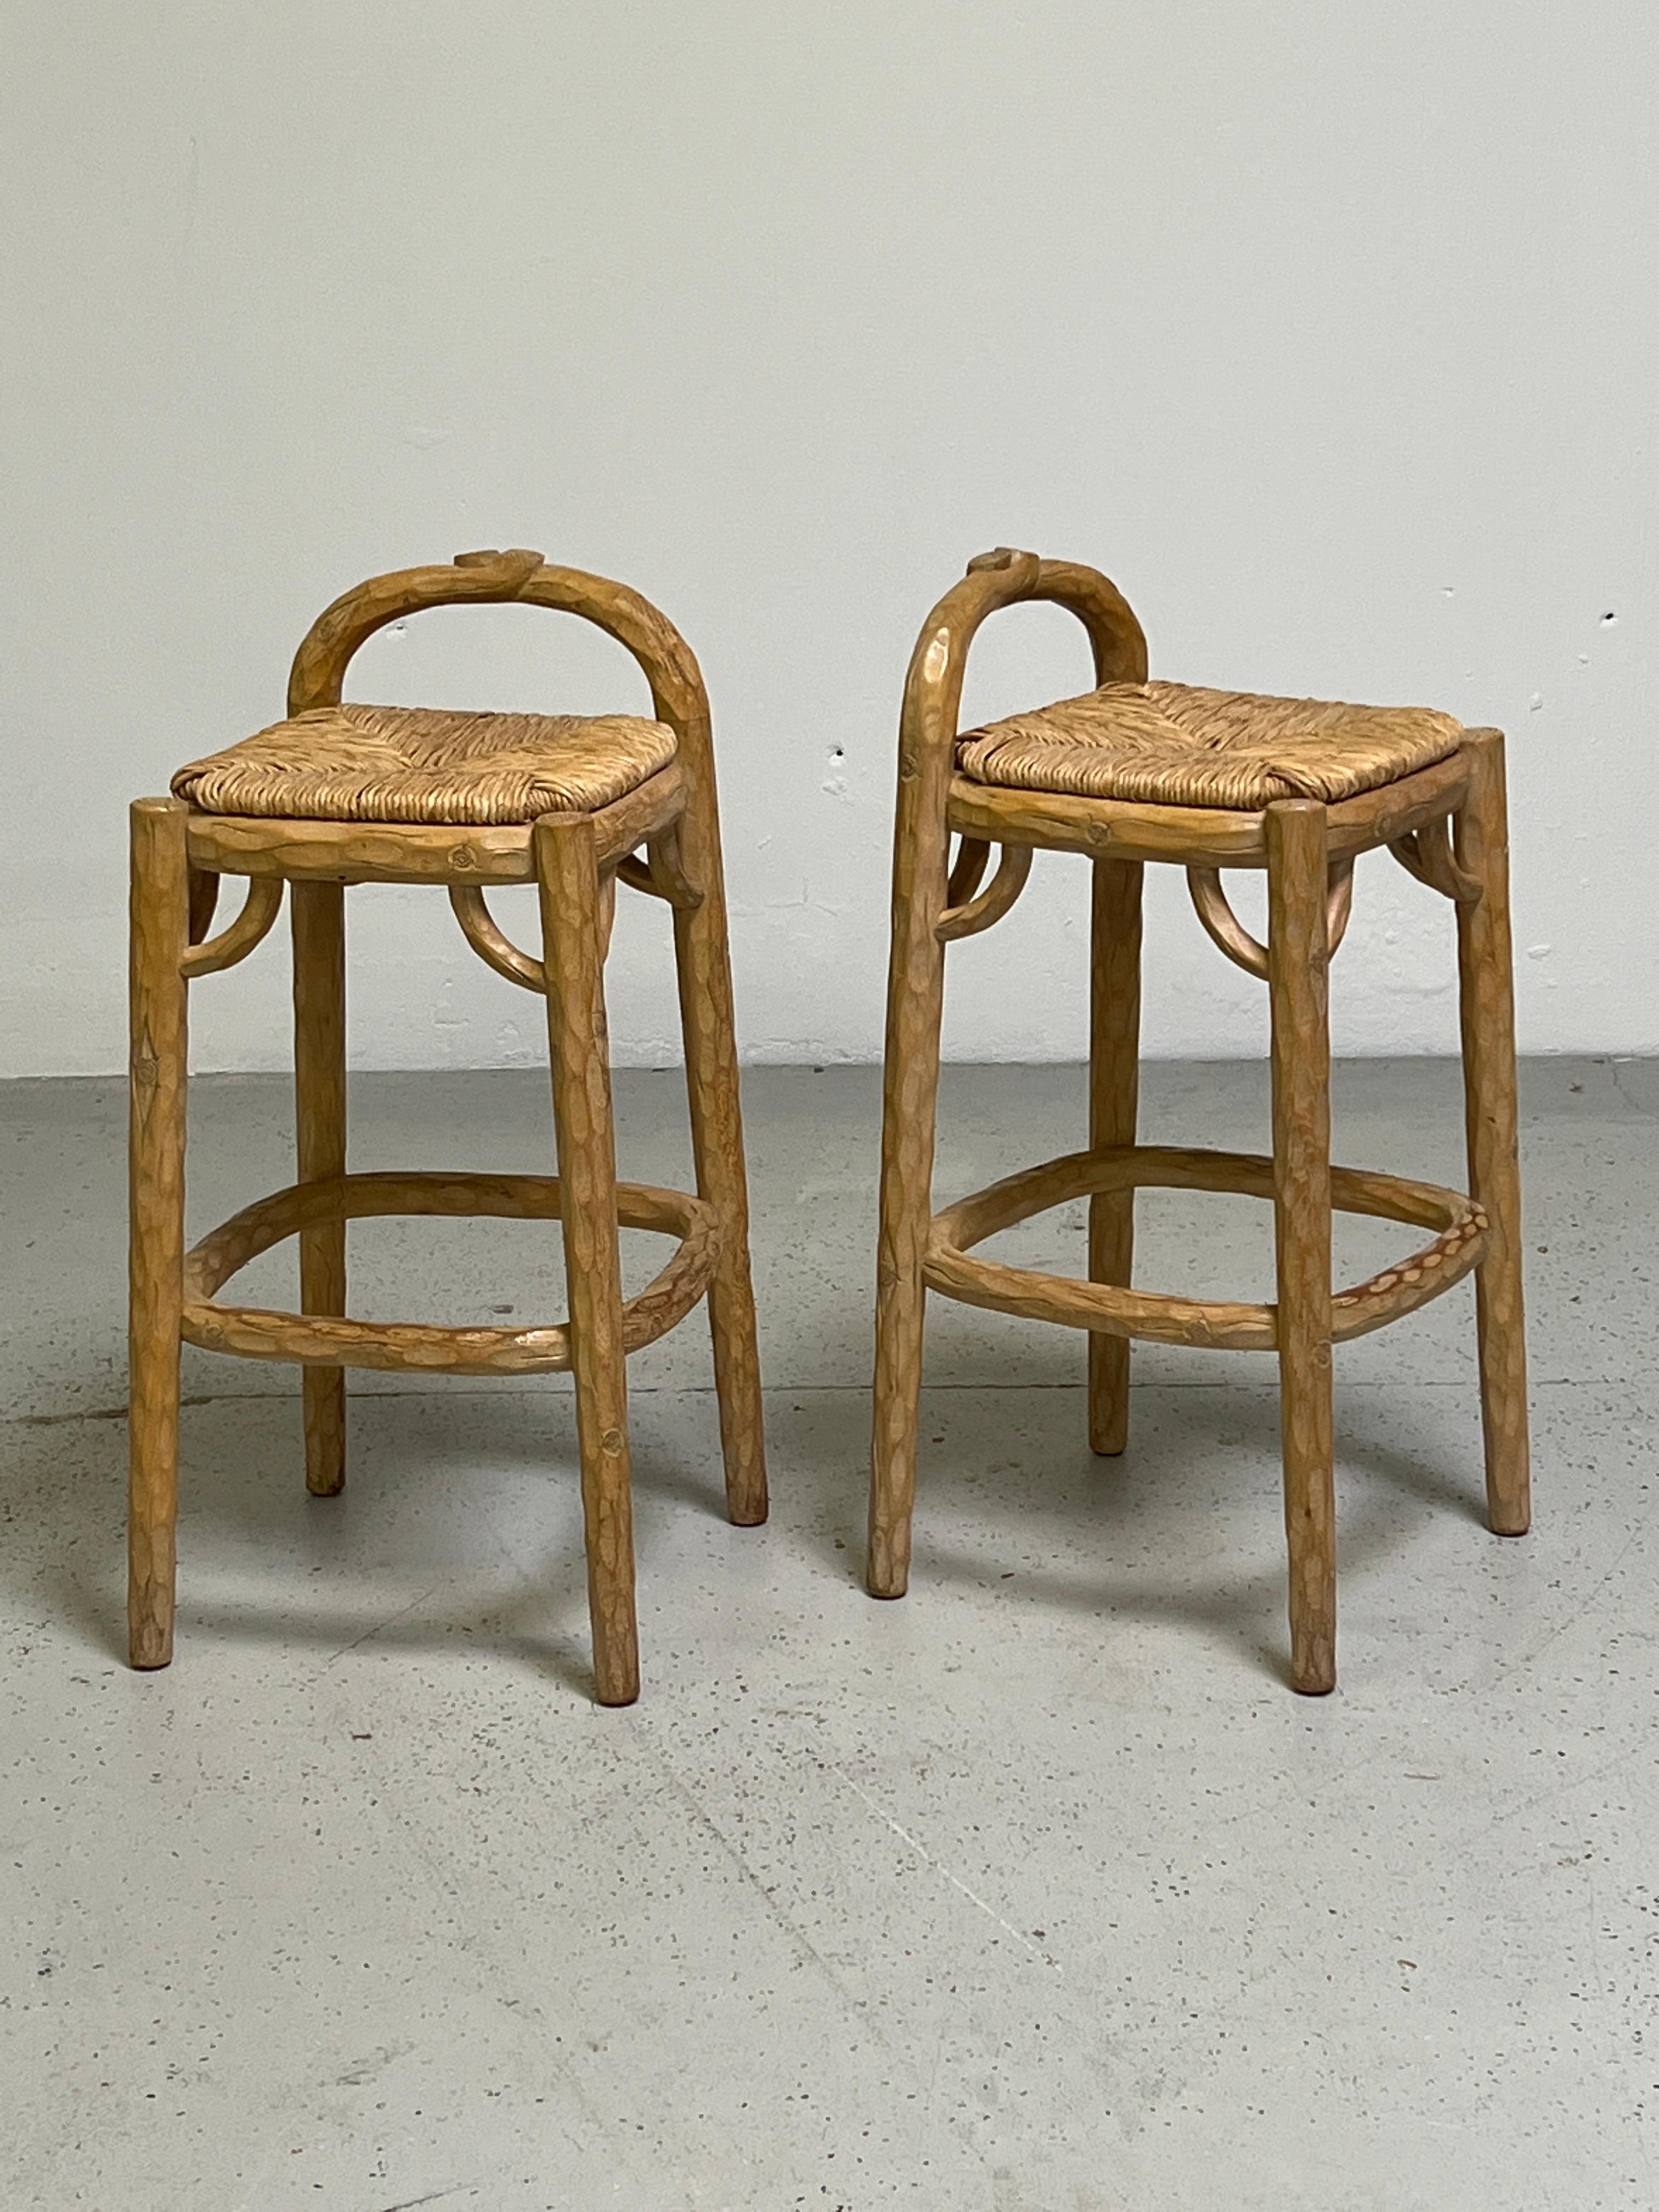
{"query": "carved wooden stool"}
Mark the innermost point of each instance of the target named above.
(1135, 772)
(344, 794)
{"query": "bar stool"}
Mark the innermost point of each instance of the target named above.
(340, 795)
(1135, 772)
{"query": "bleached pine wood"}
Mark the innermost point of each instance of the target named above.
(418, 851)
(490, 942)
(689, 866)
(1194, 837)
(1114, 1106)
(319, 1113)
(988, 906)
(661, 874)
(1486, 1000)
(1236, 1326)
(179, 857)
(205, 889)
(1427, 854)
(1298, 954)
(1308, 851)
(922, 895)
(212, 956)
(1228, 934)
(573, 959)
(159, 937)
(915, 999)
(417, 1347)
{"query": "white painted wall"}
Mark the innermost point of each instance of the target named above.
(1329, 332)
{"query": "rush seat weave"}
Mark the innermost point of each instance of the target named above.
(1179, 745)
(351, 764)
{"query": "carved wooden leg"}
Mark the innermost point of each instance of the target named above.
(160, 933)
(567, 869)
(703, 963)
(1114, 1094)
(1487, 999)
(320, 1100)
(1298, 957)
(915, 1005)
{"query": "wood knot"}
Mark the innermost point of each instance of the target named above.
(512, 569)
(610, 1444)
(999, 556)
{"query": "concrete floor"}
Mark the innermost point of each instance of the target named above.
(1037, 1892)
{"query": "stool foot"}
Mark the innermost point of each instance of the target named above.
(324, 1400)
(567, 869)
(160, 933)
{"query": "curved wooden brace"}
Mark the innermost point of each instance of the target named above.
(497, 951)
(257, 1332)
(1226, 1324)
(1427, 854)
(259, 909)
(492, 945)
(967, 870)
(1224, 928)
(661, 874)
(992, 904)
(205, 887)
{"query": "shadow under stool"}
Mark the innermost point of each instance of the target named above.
(340, 795)
(1136, 772)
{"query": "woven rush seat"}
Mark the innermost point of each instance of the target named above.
(1179, 745)
(351, 764)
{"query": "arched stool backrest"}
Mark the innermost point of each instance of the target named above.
(317, 676)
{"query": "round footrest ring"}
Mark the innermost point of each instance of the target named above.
(1223, 1324)
(257, 1332)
